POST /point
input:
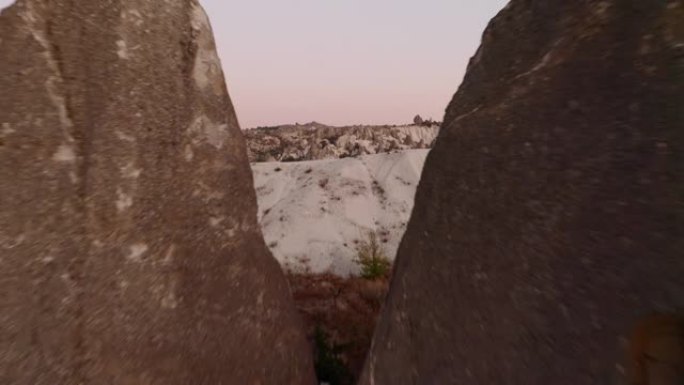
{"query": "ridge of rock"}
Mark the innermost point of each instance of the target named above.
(315, 141)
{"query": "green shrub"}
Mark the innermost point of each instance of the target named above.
(372, 259)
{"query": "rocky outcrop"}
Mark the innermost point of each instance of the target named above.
(549, 217)
(315, 141)
(129, 247)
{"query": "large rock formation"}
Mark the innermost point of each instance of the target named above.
(129, 247)
(550, 215)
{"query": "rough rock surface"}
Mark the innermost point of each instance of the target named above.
(315, 141)
(550, 215)
(129, 247)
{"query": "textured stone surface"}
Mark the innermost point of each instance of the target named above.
(550, 216)
(129, 247)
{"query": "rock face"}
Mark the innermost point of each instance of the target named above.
(550, 216)
(129, 247)
(314, 141)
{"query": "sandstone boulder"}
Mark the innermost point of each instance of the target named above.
(129, 247)
(550, 216)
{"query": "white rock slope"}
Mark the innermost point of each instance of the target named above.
(314, 213)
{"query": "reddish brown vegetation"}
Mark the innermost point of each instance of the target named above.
(346, 309)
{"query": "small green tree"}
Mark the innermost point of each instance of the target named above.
(370, 255)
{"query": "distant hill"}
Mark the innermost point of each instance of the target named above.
(313, 141)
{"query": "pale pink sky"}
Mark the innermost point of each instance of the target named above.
(345, 62)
